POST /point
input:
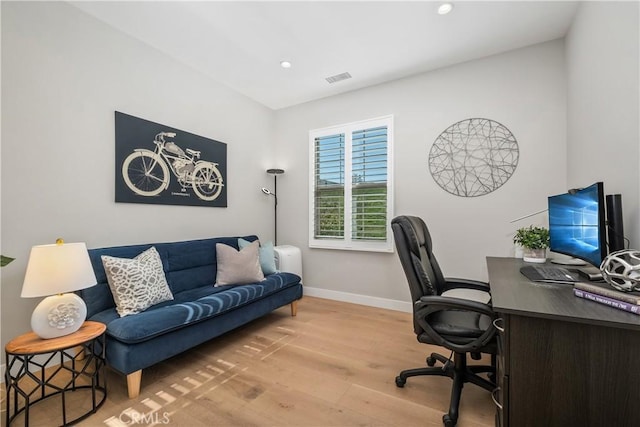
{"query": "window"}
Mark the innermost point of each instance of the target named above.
(351, 194)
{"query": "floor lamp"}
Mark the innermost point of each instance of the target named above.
(274, 193)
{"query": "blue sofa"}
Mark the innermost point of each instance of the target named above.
(198, 312)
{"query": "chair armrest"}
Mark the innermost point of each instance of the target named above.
(428, 305)
(455, 282)
(483, 297)
(450, 303)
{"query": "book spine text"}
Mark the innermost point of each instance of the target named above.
(620, 305)
(610, 293)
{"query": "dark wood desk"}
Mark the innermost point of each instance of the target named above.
(563, 361)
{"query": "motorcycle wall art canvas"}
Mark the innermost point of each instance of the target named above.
(158, 164)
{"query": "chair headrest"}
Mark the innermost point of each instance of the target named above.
(415, 232)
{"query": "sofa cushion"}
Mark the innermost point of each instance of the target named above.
(238, 267)
(138, 283)
(266, 254)
(181, 312)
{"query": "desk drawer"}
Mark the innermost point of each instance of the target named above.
(502, 325)
(500, 398)
(500, 395)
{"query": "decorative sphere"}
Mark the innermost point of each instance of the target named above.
(621, 269)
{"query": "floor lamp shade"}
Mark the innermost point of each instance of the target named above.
(56, 271)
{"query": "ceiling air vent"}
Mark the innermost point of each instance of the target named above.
(338, 77)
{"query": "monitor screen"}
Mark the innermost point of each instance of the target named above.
(577, 224)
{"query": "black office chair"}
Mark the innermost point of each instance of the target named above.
(452, 313)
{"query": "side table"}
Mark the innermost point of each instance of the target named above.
(27, 376)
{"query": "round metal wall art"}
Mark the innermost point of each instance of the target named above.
(473, 157)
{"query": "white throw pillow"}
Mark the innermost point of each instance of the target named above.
(138, 283)
(238, 267)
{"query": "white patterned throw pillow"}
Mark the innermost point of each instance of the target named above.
(138, 283)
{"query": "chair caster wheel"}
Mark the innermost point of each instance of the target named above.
(431, 361)
(447, 421)
(400, 382)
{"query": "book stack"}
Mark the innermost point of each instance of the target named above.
(604, 294)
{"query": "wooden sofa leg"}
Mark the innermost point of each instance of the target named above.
(294, 308)
(133, 383)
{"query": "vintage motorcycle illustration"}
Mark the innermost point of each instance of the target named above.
(146, 172)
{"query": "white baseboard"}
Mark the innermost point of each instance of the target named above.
(359, 299)
(2, 368)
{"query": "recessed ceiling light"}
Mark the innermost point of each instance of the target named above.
(285, 64)
(445, 8)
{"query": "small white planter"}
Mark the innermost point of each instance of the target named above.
(534, 255)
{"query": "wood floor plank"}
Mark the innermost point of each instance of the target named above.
(389, 409)
(301, 409)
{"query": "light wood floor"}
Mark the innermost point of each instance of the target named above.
(334, 364)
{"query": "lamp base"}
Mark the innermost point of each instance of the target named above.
(58, 315)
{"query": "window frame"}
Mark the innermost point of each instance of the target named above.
(346, 242)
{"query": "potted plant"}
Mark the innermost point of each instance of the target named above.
(534, 242)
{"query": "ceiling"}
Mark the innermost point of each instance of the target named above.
(241, 43)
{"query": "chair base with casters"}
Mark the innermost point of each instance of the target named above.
(460, 372)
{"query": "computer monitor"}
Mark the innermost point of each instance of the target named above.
(577, 225)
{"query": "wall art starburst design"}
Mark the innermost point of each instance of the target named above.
(473, 157)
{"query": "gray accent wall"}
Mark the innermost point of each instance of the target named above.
(524, 90)
(603, 104)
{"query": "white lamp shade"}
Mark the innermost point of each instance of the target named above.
(56, 269)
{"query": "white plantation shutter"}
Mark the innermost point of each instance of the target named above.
(369, 184)
(351, 186)
(329, 186)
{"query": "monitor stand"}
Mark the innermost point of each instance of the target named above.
(568, 261)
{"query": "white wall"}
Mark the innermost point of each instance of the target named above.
(603, 98)
(63, 75)
(524, 90)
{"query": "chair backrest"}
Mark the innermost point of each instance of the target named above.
(413, 242)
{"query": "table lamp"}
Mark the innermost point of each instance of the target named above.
(56, 271)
